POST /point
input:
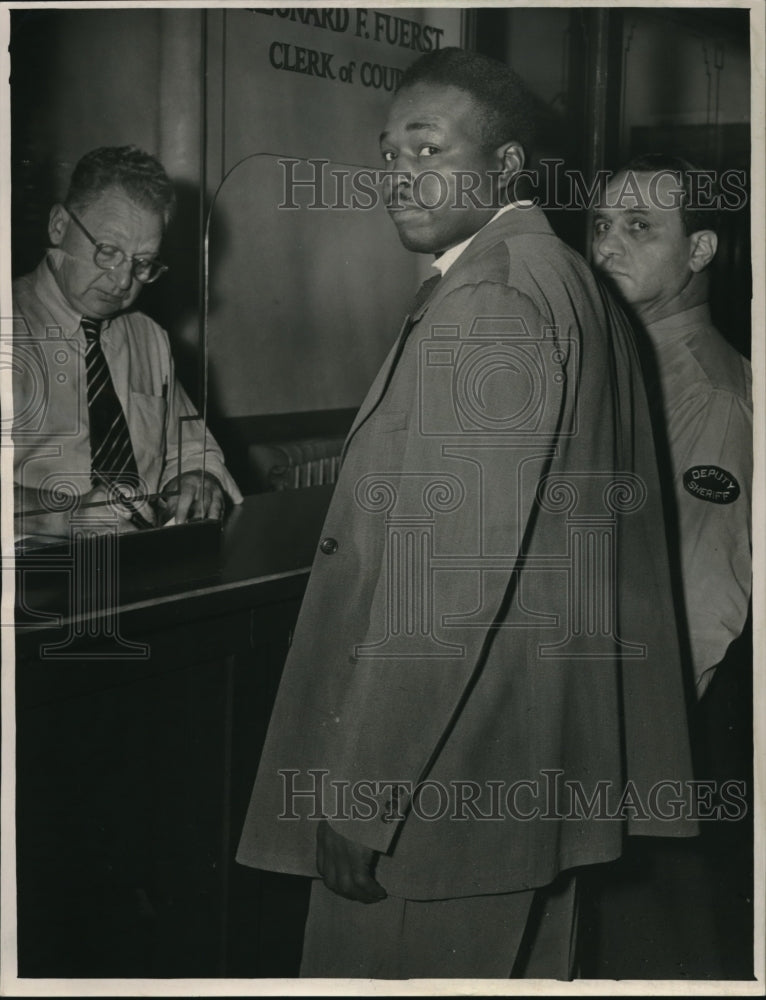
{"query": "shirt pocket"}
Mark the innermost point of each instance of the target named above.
(146, 418)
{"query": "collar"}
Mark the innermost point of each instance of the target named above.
(48, 291)
(448, 258)
(670, 327)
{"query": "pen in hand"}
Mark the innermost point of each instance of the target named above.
(136, 517)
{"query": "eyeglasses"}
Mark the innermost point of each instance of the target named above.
(108, 257)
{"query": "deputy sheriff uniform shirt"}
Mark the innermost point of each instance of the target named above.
(703, 388)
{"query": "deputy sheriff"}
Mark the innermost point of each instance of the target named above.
(654, 241)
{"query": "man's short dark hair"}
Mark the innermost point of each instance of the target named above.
(506, 109)
(139, 175)
(693, 216)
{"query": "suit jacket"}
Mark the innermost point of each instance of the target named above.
(484, 681)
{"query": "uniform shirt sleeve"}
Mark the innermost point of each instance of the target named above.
(714, 465)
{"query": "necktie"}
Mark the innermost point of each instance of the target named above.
(111, 451)
(423, 292)
(420, 297)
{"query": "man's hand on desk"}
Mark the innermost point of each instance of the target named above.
(346, 866)
(188, 498)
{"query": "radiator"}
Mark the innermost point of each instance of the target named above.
(291, 465)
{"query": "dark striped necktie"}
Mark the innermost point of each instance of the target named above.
(424, 292)
(111, 451)
(421, 295)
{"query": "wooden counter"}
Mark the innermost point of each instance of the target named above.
(139, 727)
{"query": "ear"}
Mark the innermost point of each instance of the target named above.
(58, 223)
(510, 160)
(702, 248)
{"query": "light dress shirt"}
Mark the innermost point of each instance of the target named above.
(50, 405)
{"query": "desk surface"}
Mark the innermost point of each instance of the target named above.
(273, 534)
(270, 538)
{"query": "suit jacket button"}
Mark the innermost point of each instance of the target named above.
(328, 546)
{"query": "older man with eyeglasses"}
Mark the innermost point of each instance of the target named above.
(98, 411)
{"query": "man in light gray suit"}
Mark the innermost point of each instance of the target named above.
(471, 705)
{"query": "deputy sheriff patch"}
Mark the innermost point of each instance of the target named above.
(709, 482)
